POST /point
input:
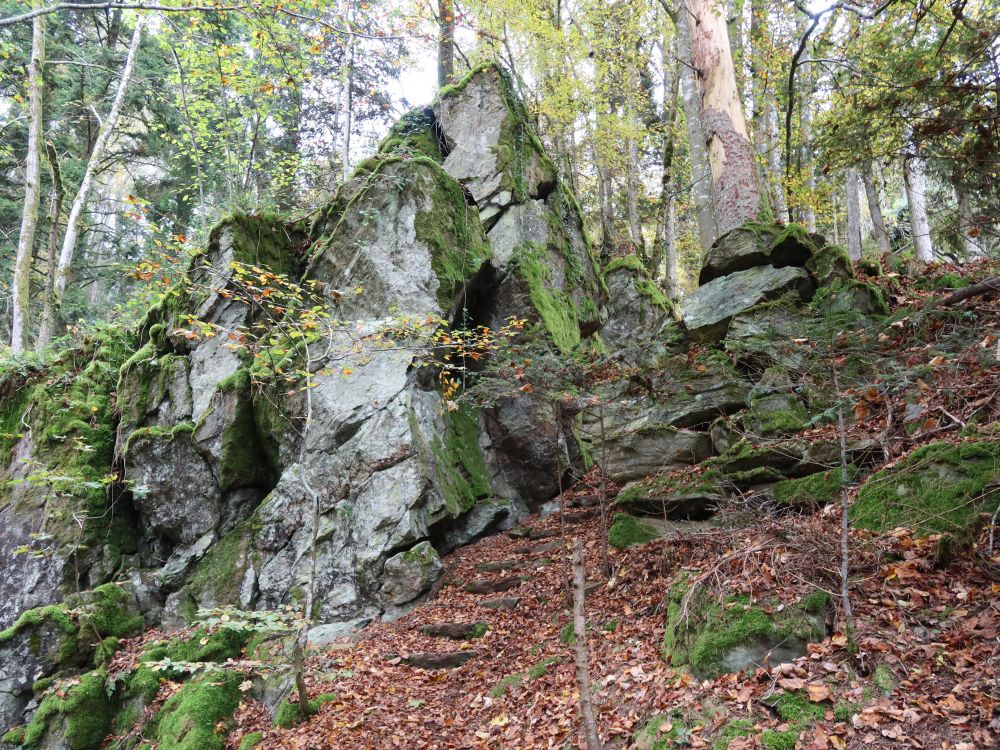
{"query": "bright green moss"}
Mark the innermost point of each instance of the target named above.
(462, 476)
(81, 716)
(815, 602)
(414, 133)
(13, 737)
(567, 635)
(157, 432)
(628, 531)
(630, 262)
(263, 240)
(814, 490)
(773, 740)
(452, 232)
(711, 628)
(288, 713)
(663, 731)
(55, 614)
(220, 572)
(251, 740)
(950, 281)
(797, 707)
(557, 311)
(830, 263)
(940, 488)
(189, 718)
(239, 381)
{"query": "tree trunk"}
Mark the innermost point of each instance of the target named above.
(853, 214)
(702, 188)
(45, 330)
(347, 105)
(738, 197)
(632, 192)
(916, 196)
(581, 654)
(446, 41)
(80, 201)
(32, 187)
(808, 212)
(875, 210)
(967, 224)
(772, 158)
(665, 243)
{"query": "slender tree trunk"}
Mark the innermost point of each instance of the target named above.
(32, 188)
(632, 191)
(914, 176)
(875, 210)
(346, 106)
(446, 41)
(581, 655)
(808, 212)
(665, 244)
(775, 170)
(967, 224)
(45, 330)
(103, 137)
(738, 197)
(702, 189)
(853, 214)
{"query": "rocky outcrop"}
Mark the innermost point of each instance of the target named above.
(641, 323)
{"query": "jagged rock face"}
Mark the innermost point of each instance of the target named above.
(640, 322)
(709, 309)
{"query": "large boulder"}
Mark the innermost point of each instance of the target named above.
(755, 245)
(708, 310)
(640, 321)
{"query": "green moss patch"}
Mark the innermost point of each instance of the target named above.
(192, 718)
(628, 531)
(459, 466)
(78, 712)
(289, 714)
(703, 636)
(939, 488)
(554, 307)
(414, 134)
(811, 491)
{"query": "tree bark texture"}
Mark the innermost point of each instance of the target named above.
(32, 187)
(853, 213)
(914, 175)
(738, 197)
(702, 189)
(581, 653)
(96, 155)
(875, 210)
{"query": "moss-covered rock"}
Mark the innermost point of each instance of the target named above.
(716, 637)
(685, 494)
(414, 134)
(628, 531)
(194, 717)
(289, 714)
(939, 488)
(77, 712)
(811, 491)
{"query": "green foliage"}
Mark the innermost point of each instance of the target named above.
(939, 488)
(539, 669)
(628, 531)
(414, 133)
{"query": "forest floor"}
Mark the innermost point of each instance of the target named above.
(925, 672)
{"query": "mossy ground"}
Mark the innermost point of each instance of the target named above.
(192, 718)
(939, 488)
(628, 531)
(701, 636)
(289, 714)
(811, 491)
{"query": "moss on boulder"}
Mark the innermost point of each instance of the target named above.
(714, 637)
(77, 712)
(939, 488)
(628, 531)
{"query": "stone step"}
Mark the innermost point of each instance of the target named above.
(457, 631)
(526, 532)
(492, 586)
(446, 660)
(507, 603)
(540, 548)
(502, 565)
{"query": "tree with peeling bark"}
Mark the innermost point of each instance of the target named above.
(738, 197)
